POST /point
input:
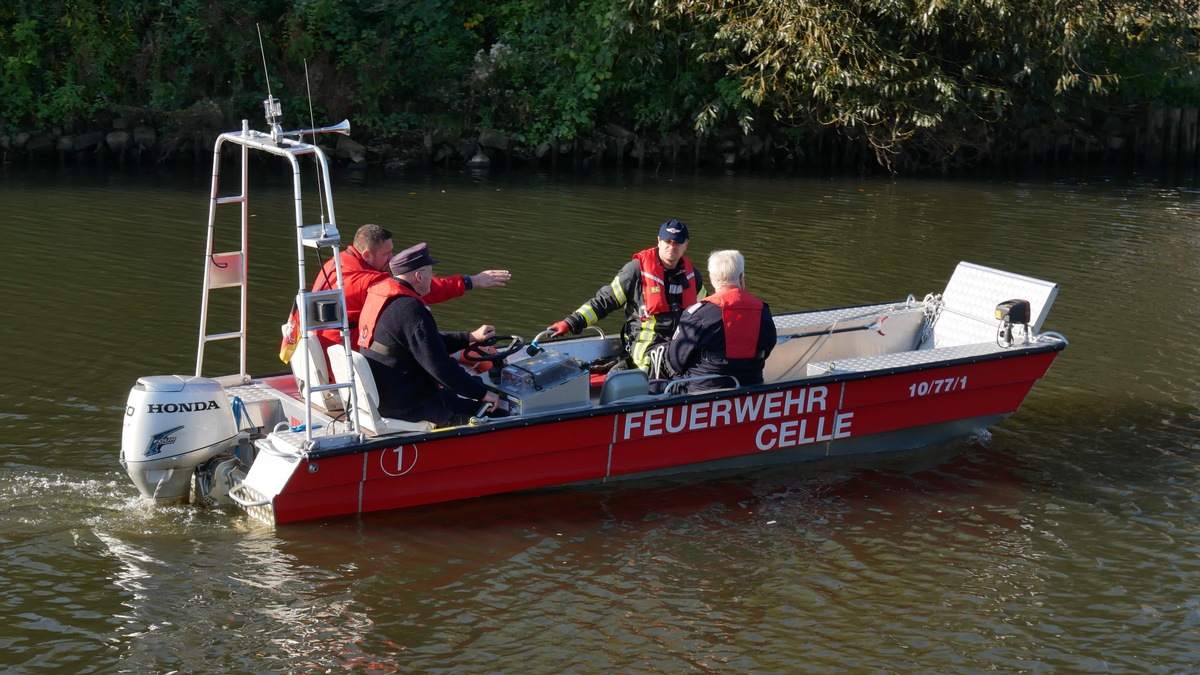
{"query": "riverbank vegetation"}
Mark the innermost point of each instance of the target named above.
(898, 84)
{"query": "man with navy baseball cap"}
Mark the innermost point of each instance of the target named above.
(654, 288)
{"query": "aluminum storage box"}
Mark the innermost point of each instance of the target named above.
(546, 380)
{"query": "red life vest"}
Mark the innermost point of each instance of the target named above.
(378, 295)
(357, 276)
(741, 314)
(654, 285)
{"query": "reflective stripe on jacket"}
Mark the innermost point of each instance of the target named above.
(627, 292)
(654, 285)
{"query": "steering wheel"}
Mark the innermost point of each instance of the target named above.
(475, 352)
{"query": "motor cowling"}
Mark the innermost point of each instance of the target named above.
(174, 423)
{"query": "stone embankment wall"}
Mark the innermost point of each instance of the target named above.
(1159, 137)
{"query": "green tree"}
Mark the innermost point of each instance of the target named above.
(918, 81)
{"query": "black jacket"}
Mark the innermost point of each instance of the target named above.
(418, 360)
(698, 348)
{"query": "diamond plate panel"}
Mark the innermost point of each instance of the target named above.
(969, 311)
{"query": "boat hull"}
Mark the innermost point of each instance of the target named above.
(841, 414)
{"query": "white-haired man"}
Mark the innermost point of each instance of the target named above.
(729, 332)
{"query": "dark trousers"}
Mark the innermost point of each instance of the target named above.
(446, 409)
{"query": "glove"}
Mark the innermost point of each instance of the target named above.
(560, 328)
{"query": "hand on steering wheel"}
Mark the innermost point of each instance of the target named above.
(512, 345)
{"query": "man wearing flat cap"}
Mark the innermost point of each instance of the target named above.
(409, 358)
(654, 288)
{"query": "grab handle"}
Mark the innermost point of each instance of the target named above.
(243, 501)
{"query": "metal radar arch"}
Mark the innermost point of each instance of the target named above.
(230, 269)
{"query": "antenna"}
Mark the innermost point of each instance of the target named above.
(308, 87)
(313, 121)
(271, 107)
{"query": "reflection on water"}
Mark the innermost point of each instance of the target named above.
(1066, 541)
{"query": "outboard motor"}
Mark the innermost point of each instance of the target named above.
(172, 425)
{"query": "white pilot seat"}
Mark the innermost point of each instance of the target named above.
(309, 351)
(368, 395)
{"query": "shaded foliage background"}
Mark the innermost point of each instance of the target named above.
(914, 82)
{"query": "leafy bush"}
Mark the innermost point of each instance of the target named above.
(922, 79)
(915, 82)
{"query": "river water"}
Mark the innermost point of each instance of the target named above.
(1069, 541)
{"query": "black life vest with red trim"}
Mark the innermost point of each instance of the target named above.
(654, 284)
(378, 295)
(741, 314)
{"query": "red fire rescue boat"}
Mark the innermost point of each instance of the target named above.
(311, 444)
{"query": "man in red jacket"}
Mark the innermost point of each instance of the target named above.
(366, 262)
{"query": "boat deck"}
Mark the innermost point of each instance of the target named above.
(883, 362)
(793, 322)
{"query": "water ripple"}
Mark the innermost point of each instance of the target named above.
(1066, 541)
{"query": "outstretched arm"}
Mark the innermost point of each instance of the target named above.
(607, 300)
(488, 279)
(455, 286)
